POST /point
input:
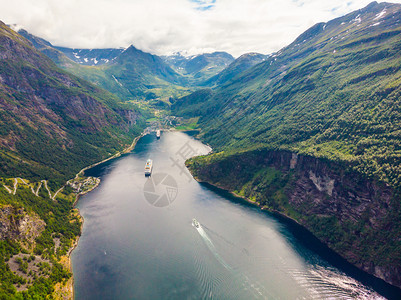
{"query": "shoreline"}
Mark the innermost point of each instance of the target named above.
(253, 203)
(336, 259)
(85, 192)
(118, 154)
(98, 181)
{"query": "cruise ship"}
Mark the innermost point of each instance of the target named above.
(148, 167)
(158, 134)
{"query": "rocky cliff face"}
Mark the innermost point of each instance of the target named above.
(362, 208)
(17, 225)
(355, 216)
(46, 88)
(336, 192)
(332, 190)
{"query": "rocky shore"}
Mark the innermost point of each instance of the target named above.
(347, 212)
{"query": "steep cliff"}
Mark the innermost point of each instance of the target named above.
(355, 216)
(329, 105)
(17, 225)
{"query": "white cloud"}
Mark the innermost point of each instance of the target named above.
(162, 27)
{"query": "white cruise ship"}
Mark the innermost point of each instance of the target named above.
(148, 167)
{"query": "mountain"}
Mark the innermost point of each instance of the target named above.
(142, 73)
(45, 47)
(199, 67)
(63, 56)
(177, 61)
(208, 62)
(241, 64)
(313, 132)
(133, 75)
(46, 110)
(130, 74)
(323, 76)
(52, 125)
(91, 57)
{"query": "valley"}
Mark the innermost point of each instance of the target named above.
(310, 132)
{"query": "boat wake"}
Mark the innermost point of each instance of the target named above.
(243, 282)
(210, 244)
(326, 283)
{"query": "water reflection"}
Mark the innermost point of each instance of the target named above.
(132, 249)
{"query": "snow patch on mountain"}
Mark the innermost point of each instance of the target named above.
(380, 15)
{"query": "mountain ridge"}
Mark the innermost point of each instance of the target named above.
(52, 124)
(91, 57)
(50, 104)
(200, 67)
(133, 74)
(241, 64)
(333, 95)
(130, 73)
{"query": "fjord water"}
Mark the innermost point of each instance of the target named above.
(138, 241)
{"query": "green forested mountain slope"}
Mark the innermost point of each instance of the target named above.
(45, 47)
(52, 123)
(144, 75)
(334, 93)
(130, 74)
(133, 75)
(313, 133)
(241, 64)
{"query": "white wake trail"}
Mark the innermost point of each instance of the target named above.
(257, 290)
(211, 247)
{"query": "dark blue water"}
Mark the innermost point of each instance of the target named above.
(138, 241)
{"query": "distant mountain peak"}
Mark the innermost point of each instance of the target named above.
(132, 52)
(132, 48)
(241, 64)
(200, 66)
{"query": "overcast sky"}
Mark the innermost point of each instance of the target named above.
(167, 26)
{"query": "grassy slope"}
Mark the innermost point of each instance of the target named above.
(52, 124)
(241, 64)
(333, 93)
(125, 81)
(134, 75)
(54, 112)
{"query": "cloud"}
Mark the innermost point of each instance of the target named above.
(164, 27)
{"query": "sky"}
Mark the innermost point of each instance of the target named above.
(164, 27)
